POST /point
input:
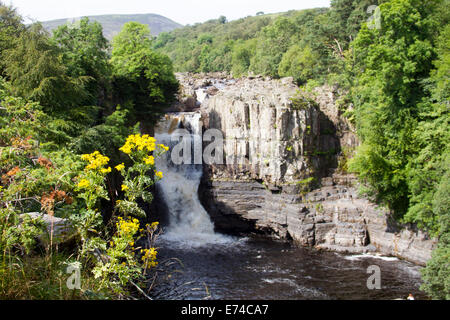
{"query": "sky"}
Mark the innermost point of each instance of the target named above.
(184, 12)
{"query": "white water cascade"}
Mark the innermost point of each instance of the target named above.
(189, 223)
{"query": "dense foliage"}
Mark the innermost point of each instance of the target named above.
(401, 109)
(144, 79)
(62, 123)
(303, 44)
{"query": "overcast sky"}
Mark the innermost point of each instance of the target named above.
(184, 12)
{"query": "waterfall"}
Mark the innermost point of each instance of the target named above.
(189, 223)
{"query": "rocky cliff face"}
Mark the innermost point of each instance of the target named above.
(268, 137)
(332, 217)
(284, 169)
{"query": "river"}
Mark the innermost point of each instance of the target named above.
(259, 268)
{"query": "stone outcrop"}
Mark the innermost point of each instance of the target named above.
(195, 88)
(266, 136)
(282, 172)
(58, 230)
(332, 217)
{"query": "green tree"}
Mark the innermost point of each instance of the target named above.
(163, 39)
(392, 63)
(106, 137)
(298, 63)
(222, 19)
(37, 73)
(241, 57)
(436, 275)
(11, 27)
(273, 42)
(313, 33)
(84, 52)
(143, 78)
(346, 18)
(429, 172)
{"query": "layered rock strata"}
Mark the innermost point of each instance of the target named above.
(283, 170)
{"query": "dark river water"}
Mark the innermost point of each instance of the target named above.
(259, 268)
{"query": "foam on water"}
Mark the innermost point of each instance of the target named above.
(366, 255)
(297, 287)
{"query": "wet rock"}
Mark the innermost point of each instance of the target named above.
(212, 91)
(190, 104)
(335, 222)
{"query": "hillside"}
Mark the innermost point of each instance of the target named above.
(245, 44)
(113, 23)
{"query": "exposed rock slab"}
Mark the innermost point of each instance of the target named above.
(332, 218)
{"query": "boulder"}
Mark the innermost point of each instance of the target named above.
(212, 91)
(58, 230)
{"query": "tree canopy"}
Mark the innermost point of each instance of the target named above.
(143, 77)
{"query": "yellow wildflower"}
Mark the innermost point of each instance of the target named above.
(150, 160)
(163, 147)
(159, 174)
(96, 161)
(126, 149)
(154, 225)
(104, 171)
(125, 188)
(83, 184)
(138, 142)
(120, 167)
(126, 227)
(149, 257)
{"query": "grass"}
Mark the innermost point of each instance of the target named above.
(39, 277)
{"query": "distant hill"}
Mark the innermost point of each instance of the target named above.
(113, 23)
